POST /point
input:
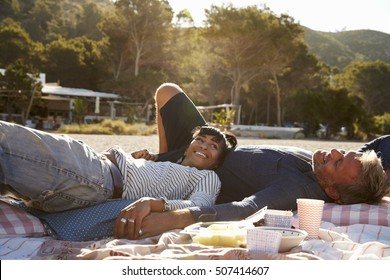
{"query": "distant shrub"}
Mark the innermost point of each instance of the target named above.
(109, 127)
(382, 124)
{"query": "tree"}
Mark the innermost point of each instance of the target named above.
(20, 85)
(137, 33)
(303, 73)
(77, 62)
(287, 57)
(9, 9)
(370, 81)
(307, 107)
(44, 20)
(80, 110)
(184, 18)
(237, 39)
(15, 44)
(248, 44)
(90, 17)
(339, 109)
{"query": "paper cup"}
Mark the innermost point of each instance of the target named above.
(310, 215)
(259, 240)
(278, 218)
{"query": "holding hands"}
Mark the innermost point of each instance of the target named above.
(129, 221)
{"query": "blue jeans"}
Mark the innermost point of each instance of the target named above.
(55, 172)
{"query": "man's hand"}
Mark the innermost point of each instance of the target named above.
(145, 155)
(159, 222)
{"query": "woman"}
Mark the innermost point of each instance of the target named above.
(174, 133)
(56, 173)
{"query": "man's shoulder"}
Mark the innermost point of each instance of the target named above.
(253, 148)
(249, 156)
(249, 150)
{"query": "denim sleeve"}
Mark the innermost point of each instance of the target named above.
(381, 146)
(232, 211)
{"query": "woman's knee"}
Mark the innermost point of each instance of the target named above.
(165, 92)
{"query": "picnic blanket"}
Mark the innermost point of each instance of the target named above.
(348, 232)
(354, 242)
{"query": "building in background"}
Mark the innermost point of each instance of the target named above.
(58, 106)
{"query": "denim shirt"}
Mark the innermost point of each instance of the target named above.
(260, 176)
(381, 146)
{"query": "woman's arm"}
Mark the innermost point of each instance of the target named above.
(202, 189)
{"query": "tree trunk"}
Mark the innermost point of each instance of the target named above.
(136, 64)
(118, 69)
(236, 100)
(278, 100)
(267, 121)
(27, 113)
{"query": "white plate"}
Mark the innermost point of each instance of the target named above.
(290, 237)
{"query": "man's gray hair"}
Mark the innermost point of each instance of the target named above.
(371, 186)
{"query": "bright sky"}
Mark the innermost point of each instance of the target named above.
(320, 15)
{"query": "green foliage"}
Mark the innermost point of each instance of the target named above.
(19, 85)
(223, 119)
(9, 9)
(48, 20)
(184, 18)
(109, 127)
(244, 56)
(341, 48)
(371, 82)
(80, 110)
(15, 43)
(340, 110)
(237, 40)
(249, 44)
(137, 34)
(90, 16)
(382, 124)
(78, 62)
(139, 88)
(307, 106)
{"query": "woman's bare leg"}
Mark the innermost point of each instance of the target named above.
(163, 94)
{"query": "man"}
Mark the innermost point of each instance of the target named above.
(256, 176)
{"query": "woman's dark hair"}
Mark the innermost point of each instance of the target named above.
(228, 139)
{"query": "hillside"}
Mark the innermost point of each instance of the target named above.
(338, 49)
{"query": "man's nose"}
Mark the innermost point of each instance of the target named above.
(337, 153)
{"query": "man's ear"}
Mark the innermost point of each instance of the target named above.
(332, 193)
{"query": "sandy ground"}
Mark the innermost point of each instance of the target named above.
(133, 143)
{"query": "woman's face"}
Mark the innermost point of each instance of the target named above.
(203, 152)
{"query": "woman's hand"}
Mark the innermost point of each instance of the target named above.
(145, 155)
(128, 223)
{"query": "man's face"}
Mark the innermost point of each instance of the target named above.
(203, 152)
(336, 167)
